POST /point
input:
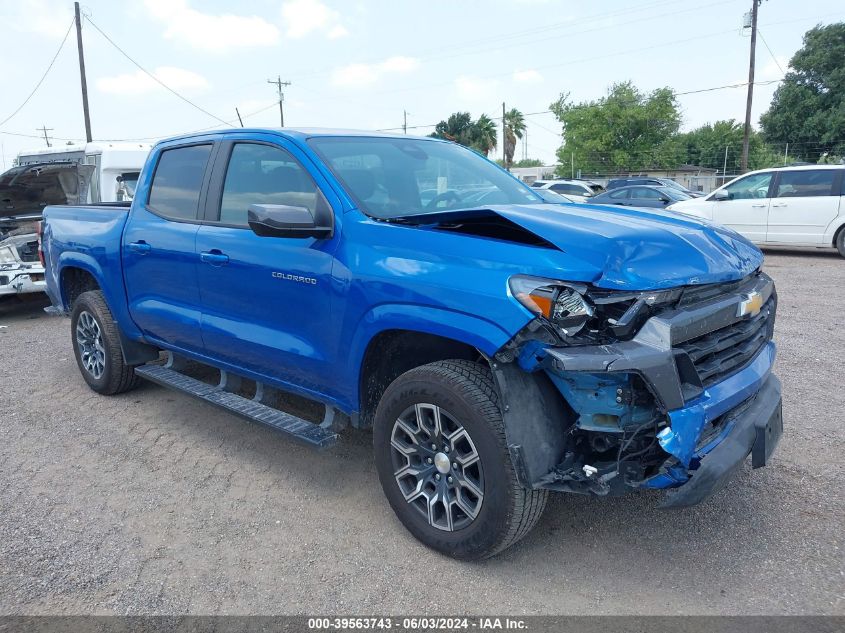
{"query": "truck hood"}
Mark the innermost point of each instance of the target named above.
(628, 248)
(26, 190)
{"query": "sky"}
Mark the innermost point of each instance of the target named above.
(361, 64)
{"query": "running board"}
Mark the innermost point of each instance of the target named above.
(302, 430)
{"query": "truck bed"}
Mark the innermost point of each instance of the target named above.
(89, 236)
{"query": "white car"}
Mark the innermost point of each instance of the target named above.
(784, 206)
(576, 190)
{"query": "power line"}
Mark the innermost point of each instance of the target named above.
(43, 77)
(153, 77)
(774, 59)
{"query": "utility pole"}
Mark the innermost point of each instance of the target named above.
(504, 139)
(725, 167)
(747, 133)
(45, 129)
(404, 121)
(279, 83)
(82, 74)
(785, 154)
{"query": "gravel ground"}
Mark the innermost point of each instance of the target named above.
(151, 502)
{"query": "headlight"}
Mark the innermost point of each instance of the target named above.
(562, 304)
(7, 256)
(582, 314)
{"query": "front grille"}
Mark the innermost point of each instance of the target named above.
(718, 354)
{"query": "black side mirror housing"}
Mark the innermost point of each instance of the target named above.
(282, 220)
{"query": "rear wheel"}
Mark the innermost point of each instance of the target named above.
(443, 461)
(840, 242)
(96, 345)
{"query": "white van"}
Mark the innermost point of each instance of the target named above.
(784, 206)
(117, 166)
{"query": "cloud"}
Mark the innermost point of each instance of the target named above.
(475, 89)
(42, 17)
(368, 74)
(140, 83)
(211, 32)
(303, 17)
(771, 70)
(529, 76)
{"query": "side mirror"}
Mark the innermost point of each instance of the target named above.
(721, 194)
(665, 200)
(281, 220)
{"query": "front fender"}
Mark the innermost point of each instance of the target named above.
(486, 336)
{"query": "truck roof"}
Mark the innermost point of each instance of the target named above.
(297, 133)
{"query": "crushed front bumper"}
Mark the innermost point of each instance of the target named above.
(715, 400)
(755, 430)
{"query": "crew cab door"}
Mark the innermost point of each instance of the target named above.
(804, 203)
(159, 255)
(266, 300)
(746, 210)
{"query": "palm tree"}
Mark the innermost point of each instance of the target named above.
(514, 129)
(484, 134)
(458, 127)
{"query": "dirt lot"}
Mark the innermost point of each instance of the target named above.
(152, 502)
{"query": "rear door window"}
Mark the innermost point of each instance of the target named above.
(175, 191)
(644, 193)
(806, 183)
(565, 188)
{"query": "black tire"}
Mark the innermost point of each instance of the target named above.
(464, 392)
(840, 242)
(110, 375)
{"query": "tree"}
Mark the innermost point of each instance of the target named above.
(458, 127)
(484, 134)
(705, 146)
(808, 108)
(480, 135)
(514, 129)
(626, 130)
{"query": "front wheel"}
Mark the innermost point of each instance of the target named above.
(96, 345)
(444, 465)
(840, 242)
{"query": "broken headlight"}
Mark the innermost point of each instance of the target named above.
(563, 305)
(6, 255)
(587, 315)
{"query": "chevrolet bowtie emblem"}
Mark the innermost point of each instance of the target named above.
(750, 305)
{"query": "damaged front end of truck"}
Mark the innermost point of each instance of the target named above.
(606, 391)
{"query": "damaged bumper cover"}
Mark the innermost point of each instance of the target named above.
(17, 280)
(712, 398)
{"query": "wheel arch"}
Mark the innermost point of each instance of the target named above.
(392, 352)
(78, 276)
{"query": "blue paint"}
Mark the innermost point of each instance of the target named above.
(680, 439)
(372, 276)
(593, 398)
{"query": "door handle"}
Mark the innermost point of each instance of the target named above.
(780, 204)
(214, 257)
(140, 247)
(759, 206)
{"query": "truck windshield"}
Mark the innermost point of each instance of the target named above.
(396, 177)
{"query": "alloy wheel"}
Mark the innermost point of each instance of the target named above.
(437, 467)
(89, 338)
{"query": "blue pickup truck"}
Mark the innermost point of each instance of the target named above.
(498, 350)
